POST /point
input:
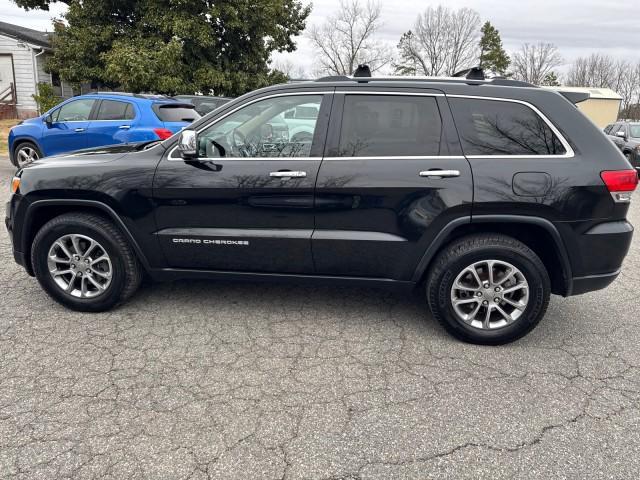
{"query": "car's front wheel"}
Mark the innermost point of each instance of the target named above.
(488, 289)
(84, 262)
(25, 153)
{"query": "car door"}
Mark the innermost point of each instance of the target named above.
(246, 203)
(111, 123)
(67, 130)
(393, 176)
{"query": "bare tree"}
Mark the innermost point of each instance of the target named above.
(603, 71)
(534, 62)
(347, 39)
(596, 70)
(442, 42)
(290, 69)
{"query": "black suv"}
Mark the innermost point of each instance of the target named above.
(626, 135)
(491, 194)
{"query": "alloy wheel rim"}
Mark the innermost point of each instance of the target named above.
(80, 266)
(490, 294)
(26, 155)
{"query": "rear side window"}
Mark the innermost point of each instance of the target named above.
(179, 112)
(492, 127)
(114, 110)
(389, 126)
(608, 128)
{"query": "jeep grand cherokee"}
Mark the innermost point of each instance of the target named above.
(489, 194)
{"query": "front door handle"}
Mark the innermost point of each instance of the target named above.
(440, 173)
(124, 127)
(79, 130)
(288, 174)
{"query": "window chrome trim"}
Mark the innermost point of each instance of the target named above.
(569, 153)
(401, 157)
(275, 95)
(384, 92)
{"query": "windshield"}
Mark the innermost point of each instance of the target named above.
(634, 130)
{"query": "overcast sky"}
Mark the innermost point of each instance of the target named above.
(576, 27)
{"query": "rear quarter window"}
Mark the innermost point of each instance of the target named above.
(168, 112)
(502, 128)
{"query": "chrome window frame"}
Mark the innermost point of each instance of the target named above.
(569, 153)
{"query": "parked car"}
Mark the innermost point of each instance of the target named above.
(488, 194)
(203, 103)
(95, 120)
(626, 135)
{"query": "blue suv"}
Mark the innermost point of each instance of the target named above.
(95, 120)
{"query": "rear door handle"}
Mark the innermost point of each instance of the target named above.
(80, 130)
(440, 173)
(124, 127)
(288, 174)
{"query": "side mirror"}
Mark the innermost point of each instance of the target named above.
(621, 135)
(48, 120)
(188, 144)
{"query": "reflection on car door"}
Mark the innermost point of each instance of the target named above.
(392, 177)
(68, 129)
(111, 124)
(247, 203)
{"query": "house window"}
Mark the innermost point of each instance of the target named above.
(55, 80)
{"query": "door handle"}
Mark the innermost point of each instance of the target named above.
(79, 130)
(440, 173)
(124, 127)
(288, 174)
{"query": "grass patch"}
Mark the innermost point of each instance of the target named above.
(5, 126)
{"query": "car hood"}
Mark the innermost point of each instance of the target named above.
(93, 155)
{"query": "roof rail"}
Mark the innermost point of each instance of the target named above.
(469, 76)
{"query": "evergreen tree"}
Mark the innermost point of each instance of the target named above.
(492, 56)
(551, 80)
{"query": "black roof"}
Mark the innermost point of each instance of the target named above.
(35, 37)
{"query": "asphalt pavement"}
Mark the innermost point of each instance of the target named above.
(220, 380)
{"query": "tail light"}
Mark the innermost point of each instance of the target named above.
(620, 183)
(163, 133)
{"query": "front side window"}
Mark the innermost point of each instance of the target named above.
(114, 110)
(74, 111)
(390, 126)
(500, 128)
(634, 130)
(262, 130)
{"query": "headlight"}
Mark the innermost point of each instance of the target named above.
(15, 184)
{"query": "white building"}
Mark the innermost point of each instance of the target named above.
(23, 54)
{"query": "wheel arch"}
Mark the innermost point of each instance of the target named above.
(537, 233)
(41, 211)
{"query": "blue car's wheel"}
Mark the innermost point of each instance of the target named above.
(25, 153)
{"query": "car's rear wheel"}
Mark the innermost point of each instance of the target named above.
(84, 262)
(488, 289)
(25, 153)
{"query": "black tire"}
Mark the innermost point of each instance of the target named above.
(466, 251)
(126, 271)
(26, 146)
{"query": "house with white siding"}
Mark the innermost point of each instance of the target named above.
(23, 55)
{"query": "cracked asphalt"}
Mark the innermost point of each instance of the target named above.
(216, 380)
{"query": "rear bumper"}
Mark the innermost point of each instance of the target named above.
(591, 283)
(598, 254)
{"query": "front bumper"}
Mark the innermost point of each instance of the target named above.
(9, 221)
